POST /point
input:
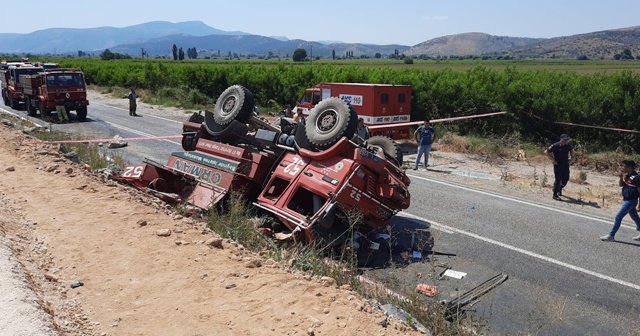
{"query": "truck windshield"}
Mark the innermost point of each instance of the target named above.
(306, 98)
(24, 71)
(64, 80)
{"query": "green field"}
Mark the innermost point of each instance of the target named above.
(537, 93)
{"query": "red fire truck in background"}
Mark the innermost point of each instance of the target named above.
(377, 104)
(12, 85)
(44, 91)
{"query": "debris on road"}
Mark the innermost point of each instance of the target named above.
(455, 306)
(427, 290)
(454, 274)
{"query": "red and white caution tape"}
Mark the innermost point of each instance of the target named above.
(598, 127)
(102, 140)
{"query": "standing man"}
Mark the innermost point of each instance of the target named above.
(287, 113)
(61, 110)
(630, 183)
(561, 153)
(363, 130)
(133, 103)
(425, 135)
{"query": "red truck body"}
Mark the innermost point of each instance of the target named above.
(311, 191)
(13, 81)
(377, 104)
(45, 90)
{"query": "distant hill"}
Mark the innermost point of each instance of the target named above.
(601, 44)
(70, 40)
(249, 44)
(469, 44)
(158, 37)
(593, 45)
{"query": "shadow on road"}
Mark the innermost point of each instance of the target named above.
(627, 243)
(571, 200)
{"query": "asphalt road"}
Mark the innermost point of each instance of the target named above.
(562, 279)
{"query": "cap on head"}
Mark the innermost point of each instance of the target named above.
(564, 137)
(629, 163)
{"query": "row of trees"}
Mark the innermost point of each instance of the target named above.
(536, 99)
(178, 53)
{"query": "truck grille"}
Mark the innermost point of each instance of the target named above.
(372, 186)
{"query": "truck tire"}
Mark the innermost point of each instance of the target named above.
(81, 113)
(329, 121)
(389, 146)
(229, 134)
(14, 104)
(5, 99)
(235, 103)
(31, 110)
(189, 142)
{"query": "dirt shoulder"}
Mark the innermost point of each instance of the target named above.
(67, 224)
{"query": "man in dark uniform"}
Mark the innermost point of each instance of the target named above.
(562, 156)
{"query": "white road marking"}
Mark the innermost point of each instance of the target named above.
(145, 114)
(601, 276)
(124, 128)
(546, 207)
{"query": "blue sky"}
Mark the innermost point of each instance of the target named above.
(407, 22)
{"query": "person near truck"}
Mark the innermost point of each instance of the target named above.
(561, 154)
(425, 135)
(133, 105)
(287, 113)
(629, 180)
(61, 110)
(363, 130)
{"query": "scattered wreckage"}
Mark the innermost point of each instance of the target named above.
(310, 177)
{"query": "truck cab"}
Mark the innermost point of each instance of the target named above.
(54, 87)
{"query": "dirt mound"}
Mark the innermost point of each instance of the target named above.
(148, 271)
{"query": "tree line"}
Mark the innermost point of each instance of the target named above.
(535, 99)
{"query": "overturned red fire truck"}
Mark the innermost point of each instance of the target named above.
(308, 177)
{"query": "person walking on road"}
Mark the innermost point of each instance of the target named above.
(133, 105)
(425, 135)
(562, 155)
(630, 183)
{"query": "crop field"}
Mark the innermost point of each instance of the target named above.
(536, 93)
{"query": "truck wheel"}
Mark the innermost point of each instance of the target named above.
(5, 99)
(14, 103)
(189, 142)
(329, 121)
(235, 103)
(389, 146)
(31, 111)
(81, 113)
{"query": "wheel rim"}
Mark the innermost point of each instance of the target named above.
(228, 105)
(327, 121)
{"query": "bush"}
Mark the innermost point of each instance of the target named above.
(408, 60)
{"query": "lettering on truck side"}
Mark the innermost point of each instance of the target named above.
(199, 173)
(352, 99)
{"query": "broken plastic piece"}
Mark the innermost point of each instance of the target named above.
(455, 274)
(427, 290)
(417, 255)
